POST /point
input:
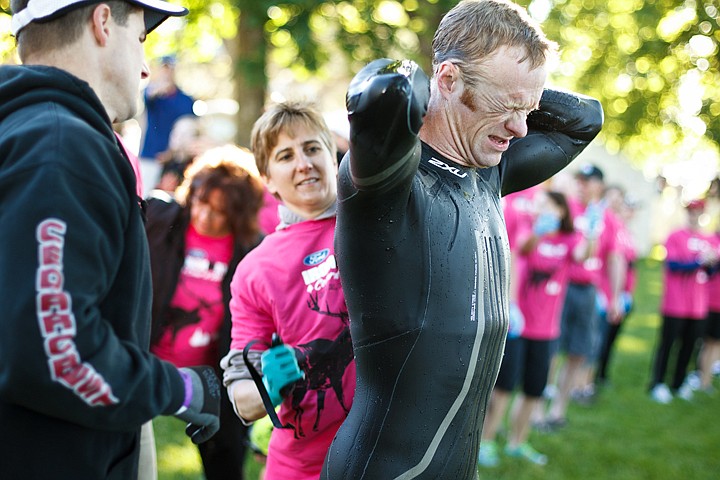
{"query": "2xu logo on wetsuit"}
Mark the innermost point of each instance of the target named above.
(444, 166)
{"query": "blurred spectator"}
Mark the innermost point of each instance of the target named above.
(597, 280)
(187, 141)
(710, 350)
(548, 247)
(196, 243)
(684, 303)
(712, 205)
(164, 104)
(620, 203)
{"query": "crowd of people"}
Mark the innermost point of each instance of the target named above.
(574, 265)
(370, 302)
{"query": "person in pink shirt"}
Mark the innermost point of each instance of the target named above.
(597, 280)
(519, 213)
(548, 248)
(287, 297)
(624, 208)
(196, 240)
(684, 302)
(710, 350)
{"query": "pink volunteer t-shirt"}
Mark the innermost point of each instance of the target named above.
(544, 285)
(519, 212)
(290, 284)
(594, 269)
(198, 296)
(627, 246)
(713, 284)
(685, 294)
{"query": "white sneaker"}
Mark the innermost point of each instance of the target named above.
(685, 392)
(550, 392)
(693, 381)
(661, 394)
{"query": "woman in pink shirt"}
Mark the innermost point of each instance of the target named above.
(287, 297)
(196, 240)
(684, 304)
(548, 249)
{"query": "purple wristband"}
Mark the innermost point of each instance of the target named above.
(187, 379)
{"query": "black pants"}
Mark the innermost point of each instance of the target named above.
(688, 331)
(611, 334)
(223, 456)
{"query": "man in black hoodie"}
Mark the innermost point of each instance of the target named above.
(76, 379)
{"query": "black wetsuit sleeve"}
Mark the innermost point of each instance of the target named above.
(386, 103)
(558, 131)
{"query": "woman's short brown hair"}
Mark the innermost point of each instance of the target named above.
(285, 118)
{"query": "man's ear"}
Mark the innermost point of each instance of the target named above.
(100, 21)
(447, 78)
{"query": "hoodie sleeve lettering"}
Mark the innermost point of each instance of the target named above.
(74, 279)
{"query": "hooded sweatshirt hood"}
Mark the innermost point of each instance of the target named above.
(24, 85)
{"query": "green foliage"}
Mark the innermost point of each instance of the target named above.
(7, 42)
(652, 63)
(624, 436)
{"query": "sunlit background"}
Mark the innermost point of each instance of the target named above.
(652, 63)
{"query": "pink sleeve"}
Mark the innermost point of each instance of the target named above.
(672, 247)
(250, 311)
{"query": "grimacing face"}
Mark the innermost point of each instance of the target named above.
(488, 115)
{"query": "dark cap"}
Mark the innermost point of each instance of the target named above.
(589, 171)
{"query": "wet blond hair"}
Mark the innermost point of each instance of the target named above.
(474, 29)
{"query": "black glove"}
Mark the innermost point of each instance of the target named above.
(201, 408)
(578, 116)
(386, 103)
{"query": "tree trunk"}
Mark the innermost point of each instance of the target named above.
(248, 51)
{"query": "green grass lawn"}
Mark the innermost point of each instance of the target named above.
(623, 436)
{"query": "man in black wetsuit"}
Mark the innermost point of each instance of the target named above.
(421, 241)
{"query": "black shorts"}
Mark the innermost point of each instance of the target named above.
(529, 358)
(712, 326)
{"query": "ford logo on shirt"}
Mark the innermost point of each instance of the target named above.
(316, 258)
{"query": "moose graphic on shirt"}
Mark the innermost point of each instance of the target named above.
(324, 362)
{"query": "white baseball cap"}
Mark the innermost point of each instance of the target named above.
(156, 11)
